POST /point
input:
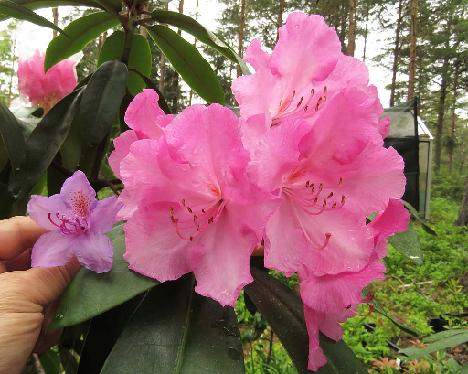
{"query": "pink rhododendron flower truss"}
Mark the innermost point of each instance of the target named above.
(313, 127)
(196, 208)
(77, 224)
(45, 89)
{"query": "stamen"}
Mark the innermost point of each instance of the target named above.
(327, 239)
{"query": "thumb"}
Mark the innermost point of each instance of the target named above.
(44, 285)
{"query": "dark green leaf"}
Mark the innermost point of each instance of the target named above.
(112, 6)
(415, 214)
(188, 62)
(177, 331)
(140, 59)
(70, 153)
(78, 34)
(15, 10)
(44, 143)
(283, 310)
(408, 243)
(101, 101)
(91, 294)
(443, 341)
(12, 136)
(38, 4)
(68, 360)
(409, 330)
(191, 26)
(50, 361)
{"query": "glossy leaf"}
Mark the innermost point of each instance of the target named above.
(12, 136)
(176, 331)
(18, 11)
(44, 143)
(101, 101)
(408, 244)
(439, 341)
(415, 214)
(283, 310)
(191, 26)
(188, 62)
(38, 4)
(78, 34)
(91, 294)
(50, 361)
(139, 62)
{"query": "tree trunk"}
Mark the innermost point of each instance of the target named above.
(241, 33)
(279, 20)
(343, 14)
(366, 32)
(462, 219)
(352, 27)
(396, 54)
(412, 47)
(440, 115)
(453, 115)
(55, 15)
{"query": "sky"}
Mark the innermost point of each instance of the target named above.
(30, 37)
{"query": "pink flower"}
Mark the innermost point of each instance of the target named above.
(77, 224)
(304, 71)
(196, 209)
(331, 299)
(45, 89)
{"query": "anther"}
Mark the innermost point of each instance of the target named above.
(330, 195)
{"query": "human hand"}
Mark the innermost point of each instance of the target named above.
(25, 294)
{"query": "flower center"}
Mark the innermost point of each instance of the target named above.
(190, 222)
(292, 108)
(80, 204)
(68, 226)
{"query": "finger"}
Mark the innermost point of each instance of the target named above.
(48, 283)
(19, 263)
(16, 235)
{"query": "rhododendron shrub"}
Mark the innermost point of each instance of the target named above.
(299, 182)
(42, 88)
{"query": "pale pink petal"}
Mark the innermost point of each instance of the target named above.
(153, 247)
(121, 148)
(39, 208)
(103, 215)
(78, 194)
(51, 249)
(348, 72)
(333, 293)
(395, 218)
(224, 268)
(94, 251)
(316, 357)
(256, 56)
(145, 116)
(307, 50)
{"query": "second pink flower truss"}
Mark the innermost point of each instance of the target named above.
(300, 170)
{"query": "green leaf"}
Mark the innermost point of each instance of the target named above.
(12, 136)
(415, 214)
(15, 10)
(409, 330)
(283, 310)
(44, 143)
(70, 153)
(78, 34)
(188, 62)
(191, 26)
(140, 59)
(440, 341)
(178, 331)
(50, 361)
(38, 4)
(91, 294)
(101, 101)
(408, 244)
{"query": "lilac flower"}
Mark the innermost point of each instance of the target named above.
(77, 224)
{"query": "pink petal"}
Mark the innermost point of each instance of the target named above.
(39, 208)
(104, 214)
(153, 247)
(51, 249)
(348, 72)
(333, 293)
(121, 148)
(145, 116)
(224, 268)
(256, 56)
(94, 251)
(395, 218)
(79, 194)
